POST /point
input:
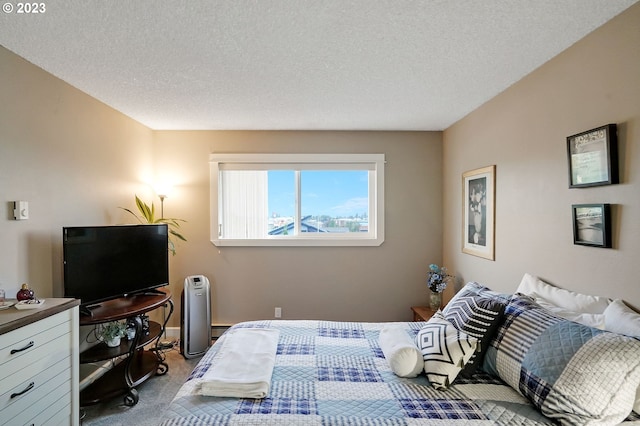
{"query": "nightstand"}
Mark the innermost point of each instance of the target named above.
(422, 313)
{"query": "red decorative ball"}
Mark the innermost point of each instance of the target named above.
(25, 293)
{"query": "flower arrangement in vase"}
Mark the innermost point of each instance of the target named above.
(437, 279)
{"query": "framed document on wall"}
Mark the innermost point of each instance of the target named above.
(478, 215)
(593, 157)
(592, 225)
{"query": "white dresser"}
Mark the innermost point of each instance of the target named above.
(39, 362)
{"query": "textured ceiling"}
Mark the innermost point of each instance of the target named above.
(298, 64)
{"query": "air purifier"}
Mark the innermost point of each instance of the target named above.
(195, 318)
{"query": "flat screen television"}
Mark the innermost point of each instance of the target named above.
(107, 262)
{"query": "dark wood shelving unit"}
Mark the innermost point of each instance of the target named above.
(101, 351)
(137, 364)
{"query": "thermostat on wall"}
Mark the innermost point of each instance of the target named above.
(20, 210)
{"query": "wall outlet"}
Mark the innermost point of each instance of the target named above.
(278, 313)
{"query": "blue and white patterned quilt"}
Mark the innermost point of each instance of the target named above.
(334, 373)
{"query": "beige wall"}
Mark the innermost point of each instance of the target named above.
(76, 161)
(339, 283)
(72, 158)
(522, 132)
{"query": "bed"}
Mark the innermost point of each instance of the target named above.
(336, 373)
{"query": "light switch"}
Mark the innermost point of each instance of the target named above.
(20, 210)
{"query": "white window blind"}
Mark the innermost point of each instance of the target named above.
(297, 199)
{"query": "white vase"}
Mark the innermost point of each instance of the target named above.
(131, 333)
(114, 342)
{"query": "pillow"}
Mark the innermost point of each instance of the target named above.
(569, 300)
(481, 290)
(474, 288)
(619, 318)
(445, 350)
(591, 320)
(479, 317)
(401, 352)
(575, 374)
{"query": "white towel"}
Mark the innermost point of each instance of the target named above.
(243, 366)
(401, 352)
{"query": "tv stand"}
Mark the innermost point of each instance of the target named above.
(138, 364)
(150, 293)
(86, 310)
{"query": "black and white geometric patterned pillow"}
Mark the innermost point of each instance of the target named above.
(445, 350)
(479, 317)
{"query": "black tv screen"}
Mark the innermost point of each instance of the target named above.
(106, 262)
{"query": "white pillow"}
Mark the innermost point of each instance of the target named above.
(401, 352)
(590, 320)
(445, 351)
(568, 300)
(621, 319)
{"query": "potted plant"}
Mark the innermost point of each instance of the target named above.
(111, 332)
(148, 215)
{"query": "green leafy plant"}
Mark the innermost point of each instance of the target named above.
(148, 215)
(111, 330)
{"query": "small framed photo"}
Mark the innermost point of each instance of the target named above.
(478, 214)
(592, 225)
(593, 157)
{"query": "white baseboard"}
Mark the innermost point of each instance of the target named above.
(173, 333)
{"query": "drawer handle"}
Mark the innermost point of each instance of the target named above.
(31, 385)
(29, 345)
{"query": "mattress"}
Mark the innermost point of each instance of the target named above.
(334, 373)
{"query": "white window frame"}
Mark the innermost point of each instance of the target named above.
(374, 163)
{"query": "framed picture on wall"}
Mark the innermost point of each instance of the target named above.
(478, 212)
(593, 157)
(592, 225)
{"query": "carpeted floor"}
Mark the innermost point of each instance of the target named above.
(155, 394)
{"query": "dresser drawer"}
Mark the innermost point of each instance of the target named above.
(35, 328)
(33, 362)
(25, 340)
(42, 391)
(19, 383)
(57, 414)
(60, 418)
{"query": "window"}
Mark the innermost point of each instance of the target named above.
(297, 199)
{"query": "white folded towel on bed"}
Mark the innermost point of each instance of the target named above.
(243, 366)
(401, 351)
